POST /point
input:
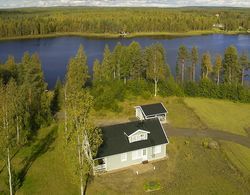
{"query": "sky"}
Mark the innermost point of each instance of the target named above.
(123, 3)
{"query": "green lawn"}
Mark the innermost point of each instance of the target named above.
(222, 115)
(179, 114)
(239, 156)
(50, 172)
(42, 166)
(191, 169)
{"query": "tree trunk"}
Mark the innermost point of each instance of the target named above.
(17, 131)
(193, 73)
(9, 171)
(218, 78)
(242, 76)
(182, 70)
(156, 87)
(125, 80)
(65, 111)
(114, 74)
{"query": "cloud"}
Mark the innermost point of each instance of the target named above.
(125, 3)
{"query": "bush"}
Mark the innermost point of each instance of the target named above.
(170, 88)
(107, 95)
(151, 186)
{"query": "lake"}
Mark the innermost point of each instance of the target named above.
(56, 52)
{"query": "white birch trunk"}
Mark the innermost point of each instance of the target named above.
(17, 131)
(156, 87)
(218, 77)
(194, 73)
(65, 111)
(182, 71)
(9, 171)
(242, 76)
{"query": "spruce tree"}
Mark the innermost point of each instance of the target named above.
(231, 67)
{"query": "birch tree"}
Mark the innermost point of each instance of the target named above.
(217, 68)
(156, 67)
(80, 135)
(206, 65)
(245, 65)
(7, 131)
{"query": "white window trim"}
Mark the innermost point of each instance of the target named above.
(137, 154)
(124, 157)
(157, 149)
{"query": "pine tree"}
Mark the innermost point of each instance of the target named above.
(182, 57)
(117, 59)
(194, 60)
(107, 66)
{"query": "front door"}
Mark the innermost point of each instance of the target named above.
(144, 154)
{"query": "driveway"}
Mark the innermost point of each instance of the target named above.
(212, 133)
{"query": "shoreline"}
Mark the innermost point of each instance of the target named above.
(131, 35)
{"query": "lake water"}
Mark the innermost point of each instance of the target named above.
(56, 52)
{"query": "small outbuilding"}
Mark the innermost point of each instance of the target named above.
(149, 111)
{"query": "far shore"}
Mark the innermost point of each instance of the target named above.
(129, 35)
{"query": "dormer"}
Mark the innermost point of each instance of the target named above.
(138, 135)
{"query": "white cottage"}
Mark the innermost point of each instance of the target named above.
(131, 143)
(152, 111)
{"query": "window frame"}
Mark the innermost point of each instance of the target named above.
(124, 157)
(157, 149)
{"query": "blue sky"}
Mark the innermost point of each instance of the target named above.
(129, 3)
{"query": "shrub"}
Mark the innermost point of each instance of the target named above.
(151, 186)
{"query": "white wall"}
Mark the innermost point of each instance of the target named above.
(114, 161)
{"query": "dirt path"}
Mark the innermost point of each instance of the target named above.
(212, 133)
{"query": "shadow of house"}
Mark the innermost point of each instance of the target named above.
(38, 149)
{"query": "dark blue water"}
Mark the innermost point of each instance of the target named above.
(56, 52)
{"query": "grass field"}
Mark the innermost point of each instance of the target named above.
(179, 114)
(191, 169)
(239, 156)
(49, 172)
(222, 115)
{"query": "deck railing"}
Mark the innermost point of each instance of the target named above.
(100, 168)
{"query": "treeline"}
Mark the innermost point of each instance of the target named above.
(131, 70)
(24, 108)
(26, 105)
(34, 21)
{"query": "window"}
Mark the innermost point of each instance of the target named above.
(124, 157)
(157, 149)
(136, 154)
(138, 137)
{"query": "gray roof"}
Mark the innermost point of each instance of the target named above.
(152, 109)
(116, 142)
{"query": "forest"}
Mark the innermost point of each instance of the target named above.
(125, 72)
(43, 21)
